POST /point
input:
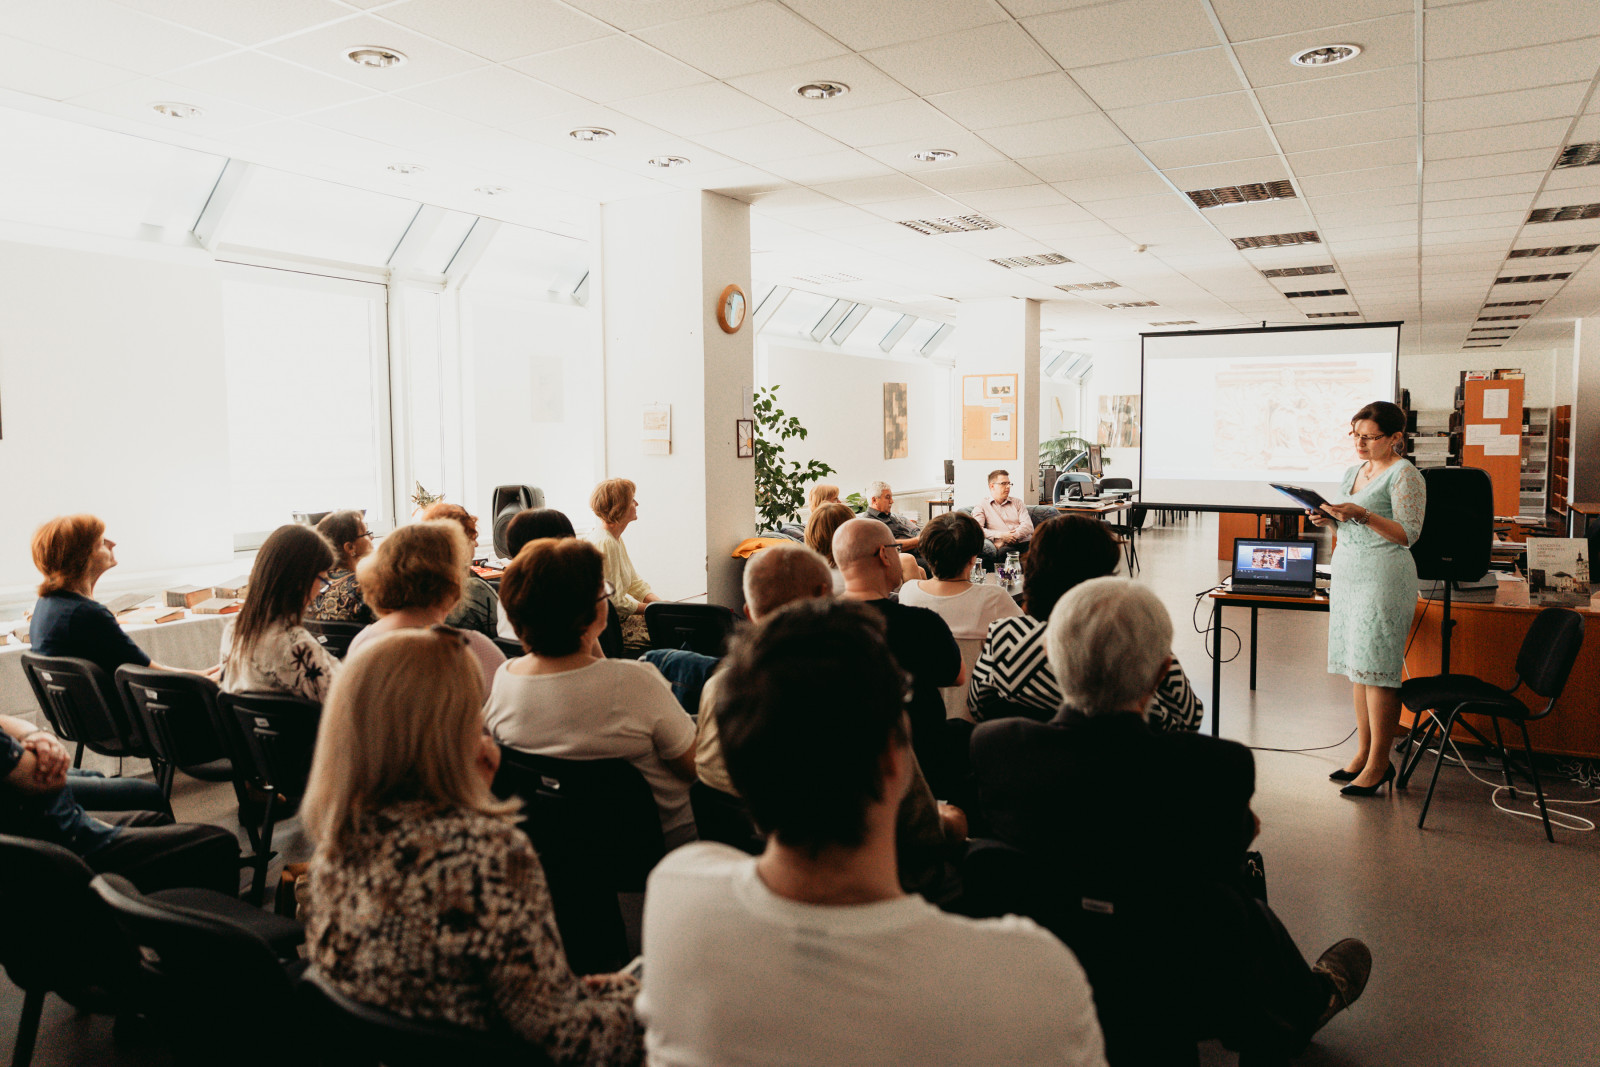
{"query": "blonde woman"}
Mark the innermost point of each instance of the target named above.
(426, 899)
(614, 503)
(820, 527)
(821, 493)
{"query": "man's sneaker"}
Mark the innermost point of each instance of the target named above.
(1347, 964)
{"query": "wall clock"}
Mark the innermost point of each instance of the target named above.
(731, 309)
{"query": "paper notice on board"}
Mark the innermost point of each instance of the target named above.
(1480, 434)
(1503, 444)
(1000, 426)
(1497, 404)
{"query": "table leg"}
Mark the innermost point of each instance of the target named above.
(1216, 665)
(1254, 612)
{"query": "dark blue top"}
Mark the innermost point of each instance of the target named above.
(55, 817)
(70, 624)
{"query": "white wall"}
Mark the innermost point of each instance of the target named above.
(112, 401)
(1058, 408)
(1432, 378)
(1117, 372)
(838, 398)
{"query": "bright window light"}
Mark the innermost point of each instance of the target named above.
(799, 313)
(445, 241)
(918, 335)
(282, 212)
(425, 387)
(528, 262)
(879, 321)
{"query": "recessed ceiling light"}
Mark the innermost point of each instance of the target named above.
(374, 57)
(933, 155)
(667, 161)
(1325, 55)
(491, 190)
(174, 110)
(407, 168)
(591, 133)
(821, 90)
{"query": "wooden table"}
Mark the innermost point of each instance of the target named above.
(1588, 511)
(1255, 602)
(946, 504)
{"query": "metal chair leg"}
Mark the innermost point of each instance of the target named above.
(27, 1028)
(1538, 790)
(1505, 757)
(1410, 760)
(258, 881)
(1449, 721)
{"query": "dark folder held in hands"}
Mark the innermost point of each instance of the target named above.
(1309, 499)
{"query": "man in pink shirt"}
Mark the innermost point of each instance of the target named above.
(1007, 526)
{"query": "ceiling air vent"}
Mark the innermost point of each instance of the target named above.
(1500, 318)
(1087, 287)
(1559, 277)
(1178, 322)
(1565, 214)
(1134, 304)
(1579, 155)
(1495, 345)
(1279, 240)
(1495, 329)
(1514, 304)
(953, 224)
(1297, 272)
(1332, 314)
(1048, 259)
(1553, 250)
(1302, 294)
(836, 278)
(1241, 194)
(1475, 340)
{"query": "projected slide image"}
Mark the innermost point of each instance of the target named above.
(1288, 418)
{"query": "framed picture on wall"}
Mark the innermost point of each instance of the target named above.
(894, 420)
(744, 438)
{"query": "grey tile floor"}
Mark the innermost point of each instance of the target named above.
(1484, 936)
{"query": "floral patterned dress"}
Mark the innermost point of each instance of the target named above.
(1373, 594)
(341, 600)
(284, 659)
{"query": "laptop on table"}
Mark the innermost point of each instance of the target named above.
(1274, 568)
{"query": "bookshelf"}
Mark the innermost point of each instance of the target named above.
(1558, 460)
(1534, 492)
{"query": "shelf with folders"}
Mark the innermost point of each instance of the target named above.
(1534, 492)
(1431, 442)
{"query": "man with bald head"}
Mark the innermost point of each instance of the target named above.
(869, 558)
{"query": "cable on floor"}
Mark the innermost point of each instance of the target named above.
(1205, 632)
(1318, 748)
(1578, 823)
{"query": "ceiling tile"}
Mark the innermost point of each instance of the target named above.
(495, 96)
(1010, 103)
(1493, 218)
(997, 53)
(1249, 220)
(1326, 97)
(1183, 118)
(1570, 178)
(389, 120)
(1492, 25)
(243, 21)
(986, 177)
(498, 29)
(1436, 170)
(1211, 148)
(864, 26)
(270, 84)
(969, 148)
(1519, 68)
(826, 167)
(1483, 205)
(133, 99)
(1149, 207)
(1360, 128)
(110, 34)
(632, 15)
(1357, 180)
(1385, 42)
(920, 207)
(324, 50)
(1121, 186)
(1564, 197)
(697, 109)
(869, 86)
(42, 71)
(1129, 29)
(782, 139)
(1246, 20)
(611, 68)
(1470, 142)
(1075, 134)
(743, 40)
(1025, 218)
(1496, 185)
(1019, 196)
(552, 130)
(1149, 81)
(1497, 109)
(1096, 163)
(877, 189)
(826, 218)
(1389, 213)
(887, 124)
(1235, 172)
(1396, 152)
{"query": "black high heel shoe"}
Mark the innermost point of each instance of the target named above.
(1343, 776)
(1369, 790)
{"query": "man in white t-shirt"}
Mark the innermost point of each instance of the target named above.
(811, 953)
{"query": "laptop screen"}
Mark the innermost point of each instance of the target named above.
(1288, 562)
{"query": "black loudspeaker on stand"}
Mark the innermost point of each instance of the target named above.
(1457, 534)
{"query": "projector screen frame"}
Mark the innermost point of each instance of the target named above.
(1248, 509)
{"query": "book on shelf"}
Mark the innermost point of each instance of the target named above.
(186, 596)
(233, 588)
(218, 605)
(150, 615)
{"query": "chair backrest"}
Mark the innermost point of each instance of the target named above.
(1549, 651)
(333, 636)
(177, 710)
(702, 628)
(725, 818)
(1116, 483)
(1594, 540)
(351, 1031)
(270, 737)
(510, 646)
(72, 946)
(955, 696)
(81, 703)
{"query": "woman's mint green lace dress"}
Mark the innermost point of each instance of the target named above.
(1373, 595)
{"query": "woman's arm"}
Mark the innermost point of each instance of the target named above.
(1387, 529)
(1175, 706)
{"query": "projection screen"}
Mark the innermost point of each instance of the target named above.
(1227, 411)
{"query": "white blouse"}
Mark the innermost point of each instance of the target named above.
(284, 659)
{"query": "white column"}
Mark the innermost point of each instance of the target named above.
(999, 336)
(1584, 481)
(666, 261)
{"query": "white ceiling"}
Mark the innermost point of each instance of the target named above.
(1079, 126)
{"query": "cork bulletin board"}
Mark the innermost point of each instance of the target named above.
(989, 416)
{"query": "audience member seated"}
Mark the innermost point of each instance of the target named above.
(820, 528)
(536, 524)
(821, 493)
(614, 503)
(347, 532)
(950, 544)
(426, 900)
(920, 640)
(1007, 526)
(72, 553)
(562, 699)
(42, 799)
(880, 506)
(414, 579)
(1012, 675)
(1139, 838)
(811, 953)
(780, 575)
(478, 608)
(264, 647)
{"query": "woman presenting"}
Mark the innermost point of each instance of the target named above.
(1374, 591)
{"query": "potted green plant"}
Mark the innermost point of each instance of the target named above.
(1057, 450)
(780, 481)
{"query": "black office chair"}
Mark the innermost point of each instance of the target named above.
(702, 628)
(177, 711)
(270, 738)
(725, 818)
(81, 704)
(333, 636)
(510, 646)
(352, 1032)
(218, 989)
(597, 830)
(1129, 522)
(1543, 664)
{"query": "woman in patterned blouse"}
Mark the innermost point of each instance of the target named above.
(426, 899)
(341, 601)
(264, 647)
(1012, 675)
